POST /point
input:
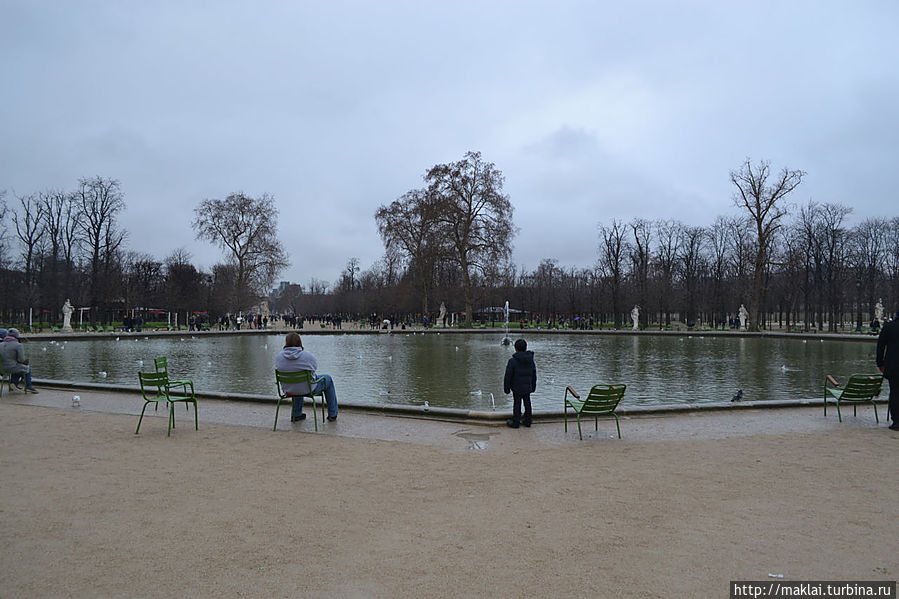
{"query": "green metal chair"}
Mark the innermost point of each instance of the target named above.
(860, 388)
(292, 378)
(187, 385)
(155, 388)
(601, 401)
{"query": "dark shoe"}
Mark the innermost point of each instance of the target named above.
(332, 418)
(511, 423)
(296, 418)
(18, 386)
(31, 390)
(894, 426)
(526, 423)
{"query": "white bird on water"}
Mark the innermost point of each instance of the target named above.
(478, 392)
(102, 374)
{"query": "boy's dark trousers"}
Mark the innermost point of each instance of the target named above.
(517, 399)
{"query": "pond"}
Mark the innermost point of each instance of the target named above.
(466, 370)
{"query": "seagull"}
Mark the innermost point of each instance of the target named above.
(738, 396)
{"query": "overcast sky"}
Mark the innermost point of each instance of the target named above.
(592, 110)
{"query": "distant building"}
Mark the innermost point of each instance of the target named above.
(280, 288)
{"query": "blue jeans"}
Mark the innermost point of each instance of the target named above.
(15, 377)
(326, 384)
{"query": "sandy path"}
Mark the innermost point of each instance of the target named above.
(88, 509)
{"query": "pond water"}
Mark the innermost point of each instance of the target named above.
(463, 370)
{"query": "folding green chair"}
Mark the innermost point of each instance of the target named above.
(601, 401)
(187, 385)
(860, 388)
(292, 378)
(155, 388)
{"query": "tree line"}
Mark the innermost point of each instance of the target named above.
(58, 244)
(449, 242)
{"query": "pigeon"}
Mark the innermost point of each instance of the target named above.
(738, 396)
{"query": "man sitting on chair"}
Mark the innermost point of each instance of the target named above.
(13, 361)
(294, 358)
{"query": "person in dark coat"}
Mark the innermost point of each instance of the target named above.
(888, 363)
(521, 381)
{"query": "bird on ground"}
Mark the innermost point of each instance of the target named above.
(738, 396)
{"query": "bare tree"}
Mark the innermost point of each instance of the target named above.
(891, 262)
(409, 227)
(99, 202)
(692, 265)
(642, 232)
(28, 221)
(3, 234)
(833, 235)
(763, 194)
(668, 239)
(349, 278)
(183, 283)
(244, 227)
(869, 250)
(613, 248)
(475, 217)
(143, 284)
(61, 217)
(61, 224)
(719, 236)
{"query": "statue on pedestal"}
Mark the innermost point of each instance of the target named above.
(744, 317)
(635, 316)
(878, 311)
(67, 310)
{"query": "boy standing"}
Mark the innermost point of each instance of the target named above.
(521, 380)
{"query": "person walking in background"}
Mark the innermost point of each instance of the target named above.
(521, 381)
(888, 363)
(294, 358)
(12, 356)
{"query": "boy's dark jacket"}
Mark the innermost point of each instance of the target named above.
(521, 373)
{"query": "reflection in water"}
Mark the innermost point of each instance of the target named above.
(475, 440)
(443, 370)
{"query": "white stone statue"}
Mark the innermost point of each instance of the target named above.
(744, 317)
(635, 316)
(67, 310)
(441, 317)
(878, 311)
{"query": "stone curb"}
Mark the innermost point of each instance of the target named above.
(481, 416)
